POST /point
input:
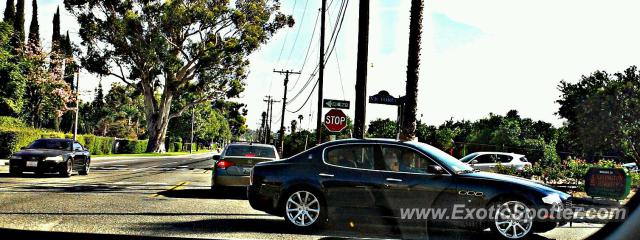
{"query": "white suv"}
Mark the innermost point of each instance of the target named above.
(487, 161)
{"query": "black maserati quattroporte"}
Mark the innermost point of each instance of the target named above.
(403, 182)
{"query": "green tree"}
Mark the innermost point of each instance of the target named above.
(17, 42)
(603, 113)
(33, 43)
(12, 79)
(382, 128)
(9, 12)
(175, 48)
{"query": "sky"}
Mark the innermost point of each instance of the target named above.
(478, 57)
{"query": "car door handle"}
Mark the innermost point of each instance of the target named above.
(394, 180)
(325, 175)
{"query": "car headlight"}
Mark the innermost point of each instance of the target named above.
(16, 157)
(553, 198)
(57, 159)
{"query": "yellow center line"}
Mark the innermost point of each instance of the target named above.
(175, 187)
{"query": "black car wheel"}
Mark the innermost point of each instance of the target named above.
(15, 171)
(304, 209)
(85, 169)
(66, 169)
(513, 219)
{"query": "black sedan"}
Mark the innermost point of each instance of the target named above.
(61, 156)
(402, 182)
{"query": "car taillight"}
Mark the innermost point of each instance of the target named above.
(223, 164)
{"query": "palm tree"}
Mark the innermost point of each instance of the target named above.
(294, 126)
(300, 117)
(413, 69)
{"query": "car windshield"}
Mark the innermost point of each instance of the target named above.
(468, 157)
(50, 144)
(250, 151)
(444, 158)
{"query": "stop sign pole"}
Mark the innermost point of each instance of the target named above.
(335, 120)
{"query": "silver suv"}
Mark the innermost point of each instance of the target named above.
(487, 161)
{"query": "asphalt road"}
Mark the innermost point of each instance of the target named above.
(167, 197)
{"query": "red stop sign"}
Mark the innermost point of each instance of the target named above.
(335, 120)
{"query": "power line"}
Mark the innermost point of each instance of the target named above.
(334, 37)
(304, 12)
(306, 56)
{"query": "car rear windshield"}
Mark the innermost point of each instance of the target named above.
(50, 144)
(250, 151)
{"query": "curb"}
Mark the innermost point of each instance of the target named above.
(152, 157)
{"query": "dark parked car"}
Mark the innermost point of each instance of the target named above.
(62, 156)
(233, 166)
(363, 178)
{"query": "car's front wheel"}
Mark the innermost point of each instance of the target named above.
(85, 169)
(513, 219)
(15, 171)
(304, 209)
(66, 169)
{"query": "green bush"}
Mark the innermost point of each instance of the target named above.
(11, 122)
(11, 140)
(131, 146)
(175, 147)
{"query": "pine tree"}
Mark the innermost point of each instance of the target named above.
(56, 51)
(69, 62)
(34, 28)
(9, 12)
(55, 38)
(18, 26)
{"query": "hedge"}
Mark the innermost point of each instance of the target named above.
(175, 147)
(13, 138)
(131, 146)
(12, 122)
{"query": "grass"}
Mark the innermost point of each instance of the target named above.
(153, 154)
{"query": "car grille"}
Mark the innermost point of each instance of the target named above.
(32, 158)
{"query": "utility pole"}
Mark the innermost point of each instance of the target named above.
(286, 73)
(361, 71)
(270, 114)
(75, 124)
(193, 113)
(323, 12)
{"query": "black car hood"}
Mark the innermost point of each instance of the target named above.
(515, 180)
(41, 152)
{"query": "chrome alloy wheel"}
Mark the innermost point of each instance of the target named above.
(303, 208)
(513, 219)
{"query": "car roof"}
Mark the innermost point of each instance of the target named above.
(57, 139)
(503, 153)
(250, 144)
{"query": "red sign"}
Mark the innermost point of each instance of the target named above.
(335, 120)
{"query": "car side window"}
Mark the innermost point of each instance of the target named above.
(353, 156)
(401, 159)
(485, 158)
(504, 158)
(77, 147)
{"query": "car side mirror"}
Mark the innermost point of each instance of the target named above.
(436, 169)
(473, 162)
(216, 157)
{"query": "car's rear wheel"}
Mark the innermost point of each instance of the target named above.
(304, 209)
(66, 169)
(85, 169)
(513, 219)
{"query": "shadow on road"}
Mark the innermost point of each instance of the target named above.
(205, 193)
(335, 231)
(30, 175)
(12, 234)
